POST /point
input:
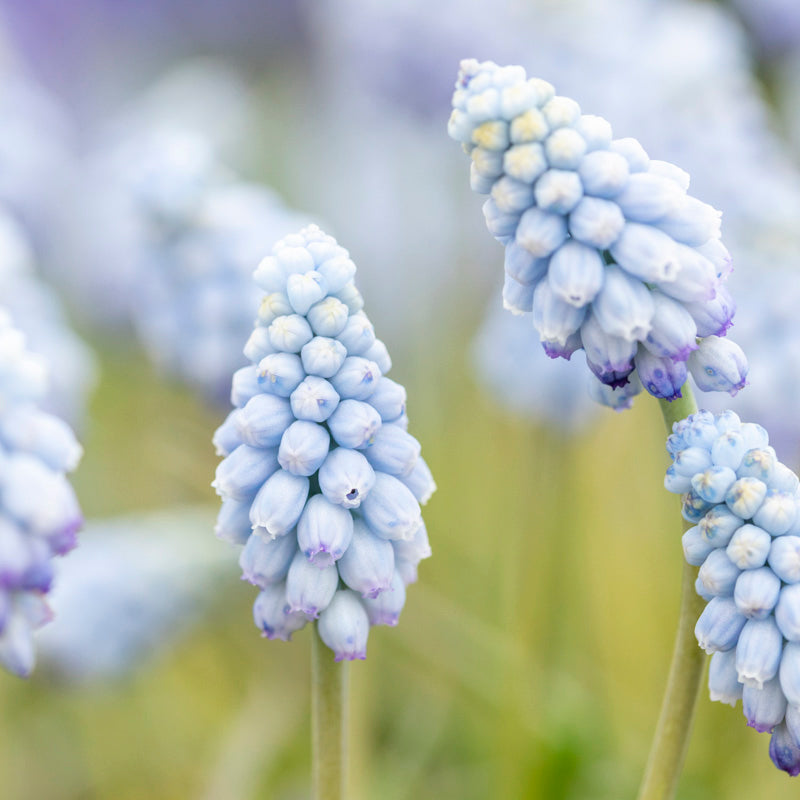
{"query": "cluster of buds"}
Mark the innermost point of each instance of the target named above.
(321, 481)
(39, 513)
(745, 506)
(603, 244)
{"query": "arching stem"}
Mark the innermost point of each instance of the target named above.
(671, 740)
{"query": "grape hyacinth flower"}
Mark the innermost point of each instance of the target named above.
(39, 513)
(321, 482)
(745, 506)
(604, 247)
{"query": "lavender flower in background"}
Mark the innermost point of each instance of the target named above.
(39, 513)
(321, 483)
(775, 24)
(191, 232)
(146, 171)
(132, 588)
(745, 506)
(197, 297)
(512, 368)
(37, 312)
(768, 328)
(603, 245)
(132, 40)
(37, 161)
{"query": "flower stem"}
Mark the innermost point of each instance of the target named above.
(328, 722)
(671, 739)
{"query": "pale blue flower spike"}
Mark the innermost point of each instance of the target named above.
(39, 512)
(748, 551)
(321, 482)
(592, 223)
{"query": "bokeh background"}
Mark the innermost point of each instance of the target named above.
(150, 153)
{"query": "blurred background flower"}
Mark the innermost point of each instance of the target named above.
(521, 668)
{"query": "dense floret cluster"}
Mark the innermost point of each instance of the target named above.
(603, 244)
(39, 513)
(321, 483)
(746, 540)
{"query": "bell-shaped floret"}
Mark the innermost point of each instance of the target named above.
(391, 510)
(346, 477)
(324, 531)
(344, 626)
(368, 563)
(310, 588)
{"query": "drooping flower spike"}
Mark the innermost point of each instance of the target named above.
(321, 481)
(746, 540)
(603, 244)
(39, 513)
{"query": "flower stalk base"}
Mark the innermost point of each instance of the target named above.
(329, 684)
(671, 740)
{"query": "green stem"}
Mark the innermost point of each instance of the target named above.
(671, 740)
(328, 722)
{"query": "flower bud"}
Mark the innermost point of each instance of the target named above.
(386, 607)
(596, 222)
(576, 273)
(324, 531)
(392, 450)
(603, 173)
(390, 510)
(244, 471)
(344, 626)
(368, 563)
(718, 365)
(764, 708)
(304, 447)
(310, 588)
(624, 307)
(305, 290)
(719, 626)
(261, 422)
(784, 558)
(266, 561)
(356, 379)
(346, 477)
(723, 680)
(328, 317)
(272, 615)
(314, 399)
(758, 652)
(279, 503)
(278, 373)
(756, 592)
(323, 356)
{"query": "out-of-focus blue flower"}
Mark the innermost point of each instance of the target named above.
(39, 513)
(190, 234)
(37, 312)
(512, 368)
(768, 328)
(196, 286)
(775, 24)
(36, 156)
(746, 541)
(131, 39)
(132, 587)
(625, 249)
(321, 482)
